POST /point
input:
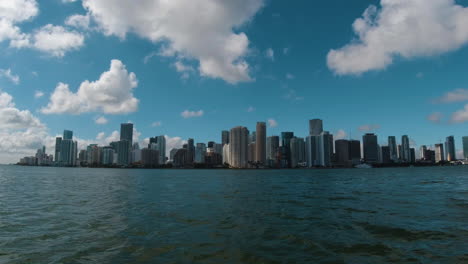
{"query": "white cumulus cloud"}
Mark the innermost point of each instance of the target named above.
(190, 114)
(101, 120)
(111, 94)
(38, 94)
(56, 40)
(203, 30)
(272, 123)
(401, 28)
(369, 128)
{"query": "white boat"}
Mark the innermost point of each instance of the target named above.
(363, 166)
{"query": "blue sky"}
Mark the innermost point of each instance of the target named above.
(401, 69)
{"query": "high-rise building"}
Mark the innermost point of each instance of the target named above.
(439, 152)
(405, 149)
(297, 147)
(450, 152)
(286, 143)
(200, 152)
(126, 132)
(225, 137)
(355, 151)
(238, 147)
(422, 152)
(312, 151)
(68, 149)
(400, 152)
(123, 152)
(107, 156)
(272, 146)
(251, 152)
(342, 152)
(260, 143)
(325, 149)
(159, 143)
(252, 137)
(315, 127)
(385, 154)
(412, 155)
(392, 145)
(370, 147)
(465, 148)
(67, 134)
(58, 145)
(190, 151)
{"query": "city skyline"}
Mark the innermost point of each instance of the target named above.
(241, 148)
(69, 64)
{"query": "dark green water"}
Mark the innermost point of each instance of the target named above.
(60, 215)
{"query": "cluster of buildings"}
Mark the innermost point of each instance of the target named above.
(240, 148)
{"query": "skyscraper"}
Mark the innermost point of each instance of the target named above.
(315, 127)
(312, 151)
(422, 152)
(225, 137)
(439, 152)
(370, 147)
(286, 144)
(260, 143)
(297, 152)
(355, 150)
(465, 147)
(405, 149)
(159, 143)
(238, 147)
(126, 132)
(124, 148)
(190, 151)
(68, 149)
(58, 145)
(392, 146)
(450, 149)
(200, 152)
(385, 154)
(342, 152)
(67, 134)
(326, 153)
(272, 147)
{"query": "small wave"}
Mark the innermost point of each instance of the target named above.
(405, 234)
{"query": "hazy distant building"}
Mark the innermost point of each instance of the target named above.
(312, 151)
(412, 155)
(465, 148)
(200, 152)
(260, 143)
(285, 143)
(58, 144)
(385, 155)
(422, 152)
(190, 151)
(325, 149)
(370, 147)
(405, 149)
(180, 158)
(238, 147)
(392, 145)
(272, 147)
(342, 152)
(225, 137)
(149, 158)
(159, 143)
(107, 156)
(251, 156)
(355, 151)
(450, 152)
(439, 152)
(315, 127)
(297, 147)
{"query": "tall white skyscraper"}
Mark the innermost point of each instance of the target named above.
(238, 147)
